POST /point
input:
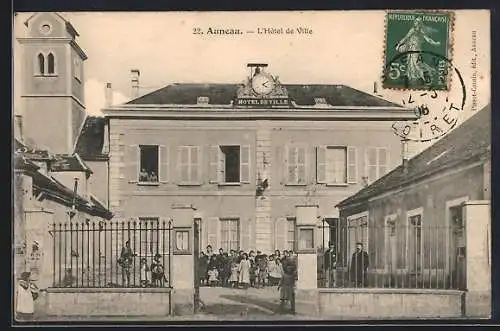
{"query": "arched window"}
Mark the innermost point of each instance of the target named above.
(51, 63)
(41, 63)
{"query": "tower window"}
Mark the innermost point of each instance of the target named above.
(41, 63)
(51, 63)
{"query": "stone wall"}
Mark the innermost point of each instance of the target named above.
(389, 303)
(108, 302)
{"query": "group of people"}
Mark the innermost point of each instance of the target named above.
(151, 275)
(145, 176)
(253, 269)
(357, 268)
(241, 269)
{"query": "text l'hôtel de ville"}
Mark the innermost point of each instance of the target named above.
(259, 31)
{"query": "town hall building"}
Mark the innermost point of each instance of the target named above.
(244, 155)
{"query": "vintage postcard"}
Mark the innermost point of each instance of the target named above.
(178, 166)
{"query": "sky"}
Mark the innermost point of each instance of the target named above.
(345, 48)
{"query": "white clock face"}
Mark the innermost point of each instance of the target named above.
(263, 84)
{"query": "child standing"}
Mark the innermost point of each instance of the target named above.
(233, 279)
(144, 272)
(213, 276)
(27, 293)
(262, 272)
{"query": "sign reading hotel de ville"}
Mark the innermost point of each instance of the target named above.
(262, 90)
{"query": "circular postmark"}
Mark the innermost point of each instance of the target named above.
(436, 109)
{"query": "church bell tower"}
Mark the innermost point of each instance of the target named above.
(52, 83)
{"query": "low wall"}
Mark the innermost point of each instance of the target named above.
(108, 302)
(367, 303)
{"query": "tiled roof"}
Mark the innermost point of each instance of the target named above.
(469, 141)
(57, 191)
(64, 162)
(91, 139)
(223, 94)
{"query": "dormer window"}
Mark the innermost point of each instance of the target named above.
(320, 101)
(202, 100)
(45, 64)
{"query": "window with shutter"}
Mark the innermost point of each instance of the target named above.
(214, 163)
(371, 164)
(132, 163)
(336, 165)
(352, 168)
(383, 161)
(296, 165)
(164, 161)
(189, 165)
(321, 164)
(290, 234)
(281, 233)
(213, 230)
(230, 234)
(245, 164)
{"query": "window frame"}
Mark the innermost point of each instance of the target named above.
(190, 165)
(390, 218)
(346, 165)
(140, 230)
(139, 165)
(297, 164)
(293, 240)
(45, 55)
(377, 162)
(177, 251)
(409, 214)
(448, 225)
(237, 220)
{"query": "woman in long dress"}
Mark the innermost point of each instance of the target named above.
(26, 294)
(412, 42)
(244, 271)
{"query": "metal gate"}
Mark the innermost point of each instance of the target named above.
(112, 254)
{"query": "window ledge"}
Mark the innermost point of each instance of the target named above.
(189, 184)
(45, 75)
(182, 252)
(337, 184)
(148, 183)
(229, 184)
(295, 184)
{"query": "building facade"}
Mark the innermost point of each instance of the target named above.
(244, 155)
(412, 221)
(52, 89)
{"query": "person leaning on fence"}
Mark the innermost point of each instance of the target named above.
(158, 277)
(330, 263)
(359, 266)
(26, 294)
(125, 261)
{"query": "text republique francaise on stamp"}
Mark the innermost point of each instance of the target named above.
(425, 39)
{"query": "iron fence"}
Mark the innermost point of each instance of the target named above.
(412, 255)
(112, 254)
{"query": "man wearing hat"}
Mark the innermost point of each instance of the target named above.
(287, 284)
(26, 294)
(359, 266)
(330, 263)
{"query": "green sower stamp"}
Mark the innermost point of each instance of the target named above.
(416, 48)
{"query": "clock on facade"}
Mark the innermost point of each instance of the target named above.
(263, 83)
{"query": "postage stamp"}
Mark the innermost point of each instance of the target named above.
(411, 40)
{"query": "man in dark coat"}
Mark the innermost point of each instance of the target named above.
(330, 265)
(359, 266)
(287, 284)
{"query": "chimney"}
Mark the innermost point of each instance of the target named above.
(134, 79)
(405, 153)
(108, 95)
(18, 127)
